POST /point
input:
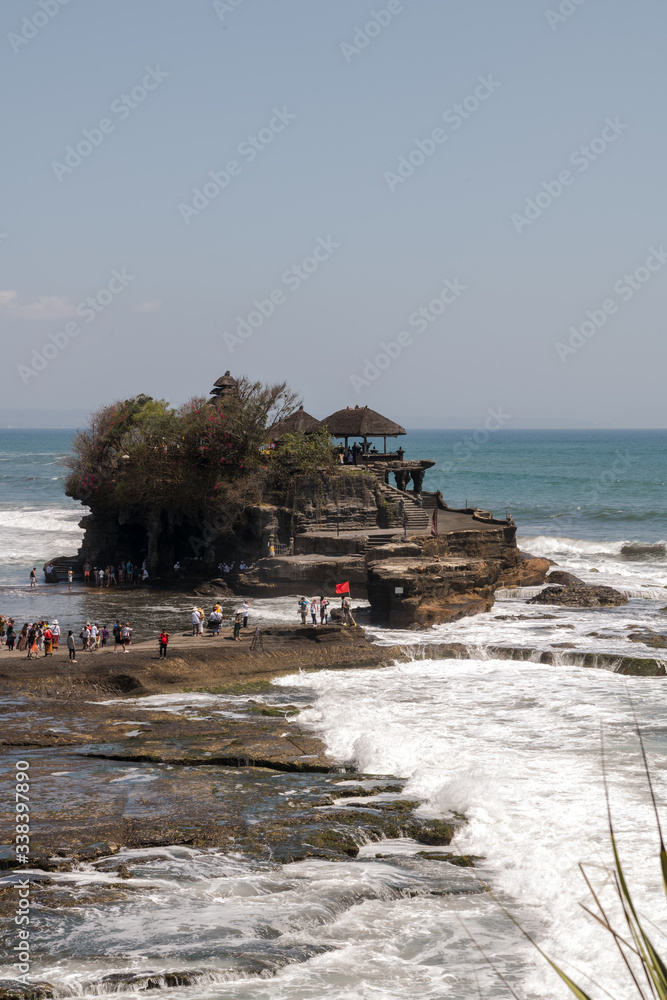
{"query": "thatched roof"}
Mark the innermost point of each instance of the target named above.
(361, 421)
(224, 385)
(298, 422)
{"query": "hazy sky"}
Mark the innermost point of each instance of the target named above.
(449, 189)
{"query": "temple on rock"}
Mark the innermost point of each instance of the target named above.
(304, 518)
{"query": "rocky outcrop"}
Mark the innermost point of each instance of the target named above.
(311, 574)
(430, 580)
(572, 592)
(655, 640)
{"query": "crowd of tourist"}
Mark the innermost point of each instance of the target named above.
(112, 576)
(42, 638)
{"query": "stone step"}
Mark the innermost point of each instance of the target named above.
(60, 566)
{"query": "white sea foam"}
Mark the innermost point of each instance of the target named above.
(35, 534)
(516, 748)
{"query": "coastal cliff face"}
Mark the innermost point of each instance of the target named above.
(238, 533)
(431, 580)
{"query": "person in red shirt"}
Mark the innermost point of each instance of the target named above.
(164, 642)
(48, 641)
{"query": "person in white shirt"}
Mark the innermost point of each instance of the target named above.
(55, 629)
(126, 636)
(94, 637)
(313, 610)
(195, 621)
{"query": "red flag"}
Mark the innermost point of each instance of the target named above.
(434, 522)
(343, 588)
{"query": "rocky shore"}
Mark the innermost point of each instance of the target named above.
(85, 724)
(82, 727)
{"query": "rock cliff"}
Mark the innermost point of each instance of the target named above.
(430, 580)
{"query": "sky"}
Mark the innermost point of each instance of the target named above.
(435, 209)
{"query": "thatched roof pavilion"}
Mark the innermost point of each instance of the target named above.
(298, 422)
(361, 422)
(225, 386)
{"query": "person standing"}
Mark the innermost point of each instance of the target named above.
(347, 612)
(23, 639)
(303, 609)
(10, 635)
(105, 635)
(163, 642)
(215, 620)
(55, 629)
(71, 646)
(117, 636)
(126, 636)
(195, 621)
(94, 637)
(237, 626)
(70, 577)
(245, 611)
(85, 635)
(48, 641)
(86, 572)
(324, 613)
(32, 642)
(112, 576)
(313, 610)
(33, 578)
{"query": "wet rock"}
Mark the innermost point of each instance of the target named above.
(334, 841)
(574, 593)
(11, 989)
(121, 982)
(566, 579)
(648, 638)
(214, 588)
(460, 860)
(435, 832)
(643, 550)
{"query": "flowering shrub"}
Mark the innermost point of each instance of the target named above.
(200, 457)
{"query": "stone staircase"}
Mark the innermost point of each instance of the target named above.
(60, 566)
(418, 517)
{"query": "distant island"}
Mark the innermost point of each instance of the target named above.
(247, 478)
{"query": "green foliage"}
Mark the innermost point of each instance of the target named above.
(300, 454)
(204, 456)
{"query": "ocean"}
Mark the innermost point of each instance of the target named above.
(515, 746)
